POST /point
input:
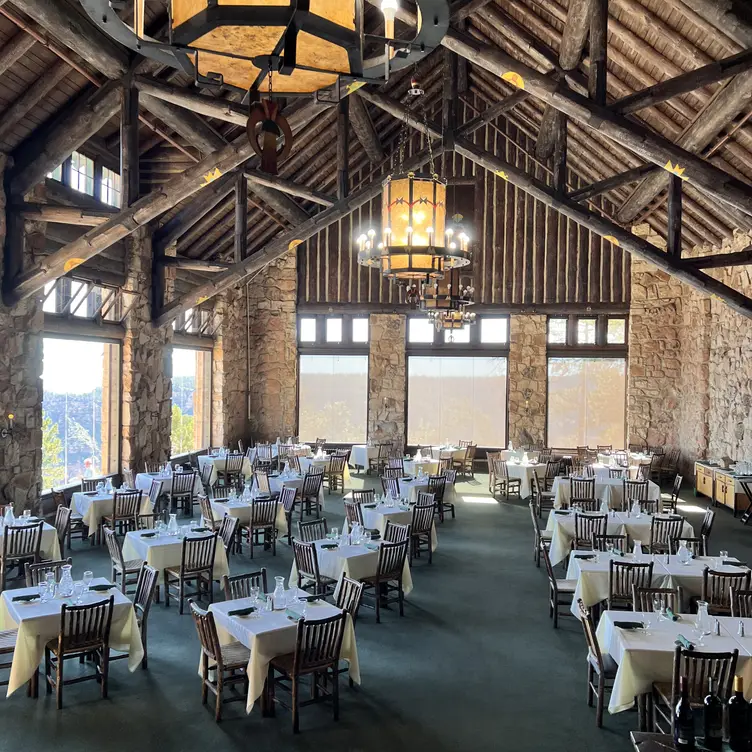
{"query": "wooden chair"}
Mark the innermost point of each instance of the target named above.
(616, 473)
(634, 490)
(717, 589)
(450, 476)
(621, 458)
(397, 463)
(582, 453)
(228, 662)
(240, 585)
(542, 500)
(261, 528)
(602, 542)
(317, 648)
(741, 603)
(491, 458)
(307, 564)
(230, 475)
(696, 666)
(62, 526)
(353, 513)
(396, 533)
(8, 639)
(205, 475)
(293, 463)
(388, 577)
(643, 471)
(22, 543)
(541, 538)
(560, 592)
(622, 577)
(604, 448)
(669, 501)
(601, 666)
(286, 500)
(127, 571)
(84, 631)
(228, 532)
(128, 479)
(378, 463)
(182, 492)
(262, 482)
(309, 493)
(437, 486)
(662, 529)
(76, 528)
(643, 597)
(669, 466)
(147, 521)
(334, 478)
(366, 496)
(420, 531)
(390, 486)
(465, 463)
(707, 524)
(553, 468)
(90, 484)
(502, 482)
(696, 545)
(125, 506)
(155, 494)
(581, 490)
(146, 587)
(392, 472)
(36, 573)
(585, 527)
(207, 513)
(313, 530)
(196, 566)
(347, 595)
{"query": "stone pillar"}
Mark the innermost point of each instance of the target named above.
(147, 366)
(528, 379)
(273, 355)
(230, 370)
(387, 378)
(20, 385)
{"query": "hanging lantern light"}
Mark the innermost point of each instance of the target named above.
(447, 300)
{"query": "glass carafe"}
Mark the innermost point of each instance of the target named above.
(279, 596)
(703, 622)
(172, 525)
(637, 550)
(683, 553)
(9, 519)
(65, 588)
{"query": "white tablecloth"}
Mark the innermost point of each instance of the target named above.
(272, 634)
(411, 489)
(429, 466)
(356, 562)
(143, 483)
(38, 623)
(360, 454)
(50, 549)
(242, 511)
(645, 656)
(93, 507)
(164, 551)
(307, 462)
(610, 490)
(376, 519)
(276, 482)
(525, 475)
(457, 453)
(219, 463)
(561, 527)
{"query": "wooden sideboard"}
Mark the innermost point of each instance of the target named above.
(722, 486)
(704, 475)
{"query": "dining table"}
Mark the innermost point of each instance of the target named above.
(288, 478)
(242, 510)
(377, 514)
(610, 490)
(322, 461)
(524, 472)
(411, 486)
(219, 464)
(360, 456)
(413, 466)
(50, 548)
(457, 453)
(95, 505)
(161, 550)
(143, 482)
(268, 634)
(38, 623)
(561, 526)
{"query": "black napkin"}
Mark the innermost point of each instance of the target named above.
(561, 511)
(586, 557)
(148, 535)
(728, 563)
(25, 598)
(684, 642)
(329, 546)
(200, 530)
(629, 624)
(103, 587)
(242, 611)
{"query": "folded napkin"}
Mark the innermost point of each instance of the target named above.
(629, 624)
(329, 546)
(671, 615)
(292, 614)
(370, 506)
(684, 642)
(101, 588)
(407, 477)
(148, 535)
(242, 611)
(561, 511)
(91, 493)
(311, 598)
(728, 563)
(618, 552)
(585, 557)
(372, 546)
(25, 598)
(200, 530)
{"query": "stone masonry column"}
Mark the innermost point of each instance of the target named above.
(528, 379)
(387, 378)
(21, 330)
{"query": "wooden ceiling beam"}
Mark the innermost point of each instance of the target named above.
(196, 265)
(575, 33)
(66, 215)
(491, 113)
(608, 184)
(258, 178)
(15, 49)
(739, 258)
(362, 126)
(732, 17)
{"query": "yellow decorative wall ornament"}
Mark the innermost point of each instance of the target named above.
(202, 299)
(514, 78)
(675, 169)
(293, 244)
(353, 86)
(72, 264)
(211, 176)
(501, 174)
(611, 239)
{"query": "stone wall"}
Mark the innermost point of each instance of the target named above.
(230, 371)
(20, 388)
(387, 378)
(528, 379)
(147, 367)
(273, 355)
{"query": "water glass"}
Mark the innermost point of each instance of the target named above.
(724, 555)
(269, 606)
(254, 594)
(302, 606)
(49, 579)
(78, 592)
(26, 514)
(87, 578)
(335, 533)
(44, 592)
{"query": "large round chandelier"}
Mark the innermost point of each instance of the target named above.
(292, 46)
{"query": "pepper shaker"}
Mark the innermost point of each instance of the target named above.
(740, 631)
(716, 628)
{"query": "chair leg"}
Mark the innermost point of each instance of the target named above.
(599, 706)
(204, 677)
(59, 680)
(105, 671)
(335, 692)
(220, 690)
(295, 708)
(166, 589)
(590, 686)
(181, 593)
(377, 591)
(401, 596)
(47, 670)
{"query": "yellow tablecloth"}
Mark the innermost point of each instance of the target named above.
(94, 507)
(242, 511)
(50, 544)
(37, 623)
(219, 463)
(306, 462)
(610, 490)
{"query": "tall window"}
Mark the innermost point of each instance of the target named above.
(110, 187)
(80, 410)
(82, 173)
(333, 398)
(452, 398)
(586, 380)
(191, 400)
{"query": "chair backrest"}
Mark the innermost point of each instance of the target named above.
(240, 585)
(643, 471)
(83, 627)
(62, 523)
(293, 462)
(113, 547)
(437, 486)
(422, 519)
(321, 442)
(676, 487)
(624, 575)
(23, 540)
(318, 643)
(126, 504)
(312, 481)
(392, 558)
(262, 481)
(198, 553)
(718, 586)
(581, 489)
(549, 569)
(337, 464)
(204, 503)
(602, 542)
(264, 451)
(227, 531)
(707, 523)
(36, 573)
(426, 498)
(587, 525)
(396, 533)
(741, 603)
(616, 472)
(206, 474)
(287, 498)
(207, 633)
(622, 458)
(306, 560)
(146, 585)
(588, 627)
(582, 452)
(58, 499)
(643, 597)
(635, 490)
(586, 505)
(284, 451)
(155, 491)
(128, 479)
(147, 521)
(366, 496)
(665, 527)
(182, 483)
(312, 530)
(393, 472)
(604, 447)
(450, 476)
(353, 513)
(398, 463)
(696, 545)
(697, 666)
(90, 484)
(348, 594)
(391, 486)
(264, 513)
(501, 471)
(552, 469)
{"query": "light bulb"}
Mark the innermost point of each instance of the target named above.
(452, 246)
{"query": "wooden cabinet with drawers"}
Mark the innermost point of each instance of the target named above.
(725, 490)
(703, 479)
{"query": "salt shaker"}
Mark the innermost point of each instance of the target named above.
(716, 628)
(740, 631)
(668, 558)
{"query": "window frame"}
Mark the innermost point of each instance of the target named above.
(347, 346)
(600, 348)
(208, 353)
(457, 348)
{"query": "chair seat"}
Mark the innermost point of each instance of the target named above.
(177, 572)
(373, 578)
(610, 666)
(76, 517)
(235, 655)
(566, 586)
(285, 663)
(547, 495)
(8, 640)
(131, 565)
(546, 535)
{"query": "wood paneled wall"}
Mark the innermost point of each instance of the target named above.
(524, 254)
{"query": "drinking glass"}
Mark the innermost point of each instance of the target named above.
(659, 608)
(254, 591)
(335, 533)
(724, 555)
(78, 592)
(87, 578)
(302, 605)
(44, 592)
(26, 514)
(49, 578)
